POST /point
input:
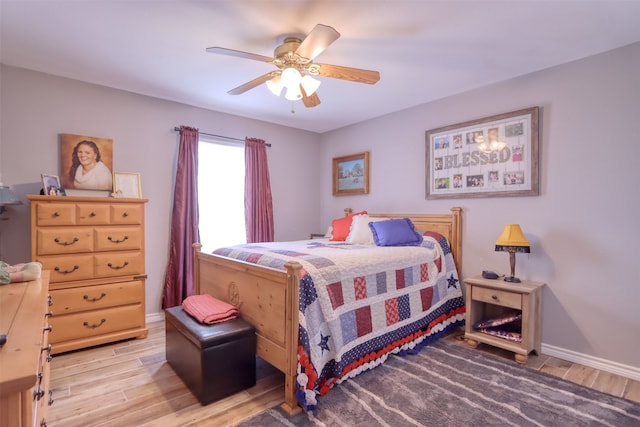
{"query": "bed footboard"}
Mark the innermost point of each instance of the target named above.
(267, 299)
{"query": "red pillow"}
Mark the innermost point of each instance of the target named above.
(340, 227)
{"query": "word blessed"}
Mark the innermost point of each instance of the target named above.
(473, 158)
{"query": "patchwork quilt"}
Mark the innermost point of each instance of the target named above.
(361, 303)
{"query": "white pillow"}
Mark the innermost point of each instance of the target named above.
(360, 233)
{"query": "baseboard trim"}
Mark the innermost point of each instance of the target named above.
(154, 317)
(627, 371)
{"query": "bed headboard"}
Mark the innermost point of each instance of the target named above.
(449, 225)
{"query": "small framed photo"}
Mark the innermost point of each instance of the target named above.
(351, 174)
(127, 184)
(51, 185)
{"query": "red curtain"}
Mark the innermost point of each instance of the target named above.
(178, 281)
(258, 207)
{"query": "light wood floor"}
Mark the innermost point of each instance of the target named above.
(130, 384)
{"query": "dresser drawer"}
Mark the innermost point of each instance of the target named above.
(73, 300)
(127, 214)
(54, 240)
(92, 214)
(66, 268)
(42, 399)
(118, 238)
(96, 322)
(494, 296)
(55, 214)
(115, 264)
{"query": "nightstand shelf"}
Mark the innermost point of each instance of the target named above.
(487, 299)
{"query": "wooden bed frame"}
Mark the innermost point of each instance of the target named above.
(268, 298)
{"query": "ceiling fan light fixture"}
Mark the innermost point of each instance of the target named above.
(275, 85)
(291, 78)
(293, 93)
(309, 84)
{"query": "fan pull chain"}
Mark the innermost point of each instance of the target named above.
(293, 110)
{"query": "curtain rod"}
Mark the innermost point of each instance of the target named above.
(177, 129)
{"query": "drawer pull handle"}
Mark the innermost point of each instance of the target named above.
(39, 393)
(48, 328)
(94, 299)
(111, 239)
(49, 300)
(126, 214)
(56, 213)
(57, 240)
(494, 297)
(50, 398)
(118, 267)
(75, 267)
(48, 313)
(92, 214)
(95, 325)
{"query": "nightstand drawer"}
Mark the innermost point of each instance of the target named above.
(494, 296)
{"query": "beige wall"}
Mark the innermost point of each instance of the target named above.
(36, 107)
(583, 227)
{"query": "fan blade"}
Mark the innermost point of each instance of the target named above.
(346, 73)
(311, 100)
(239, 54)
(253, 83)
(317, 41)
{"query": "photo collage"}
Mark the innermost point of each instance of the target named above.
(480, 158)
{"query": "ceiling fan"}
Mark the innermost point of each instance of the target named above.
(294, 59)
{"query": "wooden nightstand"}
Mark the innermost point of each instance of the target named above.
(489, 299)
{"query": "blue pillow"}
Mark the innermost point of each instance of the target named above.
(395, 232)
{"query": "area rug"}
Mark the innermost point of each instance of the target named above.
(448, 384)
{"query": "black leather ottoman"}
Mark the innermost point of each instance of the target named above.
(214, 361)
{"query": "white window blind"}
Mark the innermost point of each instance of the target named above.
(220, 193)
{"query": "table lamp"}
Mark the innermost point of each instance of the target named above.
(512, 240)
(7, 197)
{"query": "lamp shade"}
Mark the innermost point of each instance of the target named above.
(275, 85)
(293, 93)
(309, 84)
(512, 239)
(290, 78)
(8, 197)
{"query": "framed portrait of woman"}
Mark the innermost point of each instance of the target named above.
(86, 162)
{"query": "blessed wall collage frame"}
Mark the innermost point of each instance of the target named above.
(458, 166)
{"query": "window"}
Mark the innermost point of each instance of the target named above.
(221, 194)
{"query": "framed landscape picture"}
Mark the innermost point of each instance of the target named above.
(351, 174)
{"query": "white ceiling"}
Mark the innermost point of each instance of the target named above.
(424, 50)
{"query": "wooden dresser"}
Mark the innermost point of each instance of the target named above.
(94, 247)
(25, 357)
